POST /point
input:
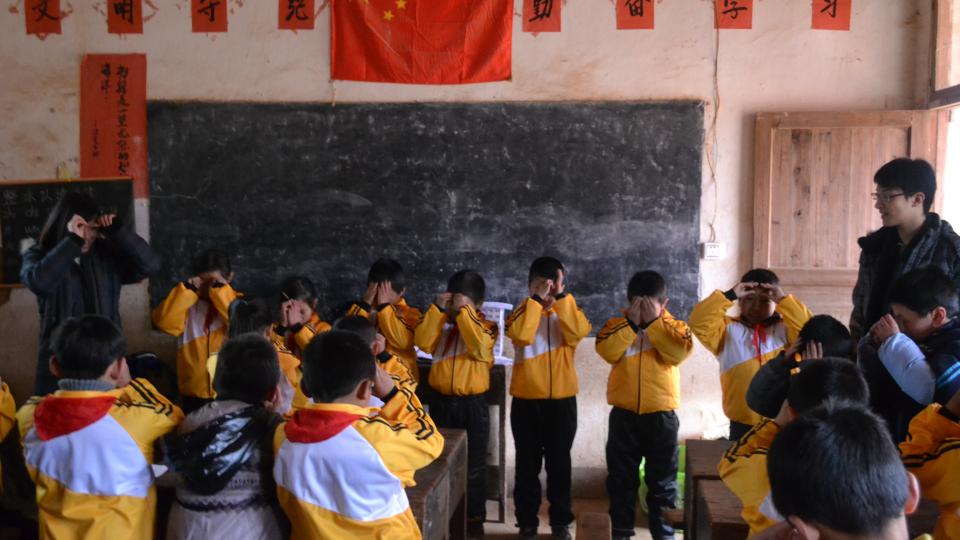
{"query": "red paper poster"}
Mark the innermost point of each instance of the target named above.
(733, 14)
(125, 16)
(832, 14)
(209, 15)
(421, 41)
(635, 14)
(541, 15)
(113, 118)
(43, 16)
(296, 14)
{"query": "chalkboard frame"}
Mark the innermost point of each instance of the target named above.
(60, 183)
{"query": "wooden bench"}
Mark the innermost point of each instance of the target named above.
(701, 464)
(439, 500)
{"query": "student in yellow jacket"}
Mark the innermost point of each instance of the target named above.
(383, 302)
(8, 411)
(299, 321)
(341, 467)
(196, 312)
(89, 446)
(769, 320)
(545, 330)
(378, 346)
(743, 467)
(461, 342)
(932, 453)
(645, 348)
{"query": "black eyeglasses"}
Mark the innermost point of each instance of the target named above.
(886, 198)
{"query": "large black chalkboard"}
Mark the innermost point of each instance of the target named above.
(323, 190)
(25, 205)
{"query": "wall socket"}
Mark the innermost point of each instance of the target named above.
(711, 251)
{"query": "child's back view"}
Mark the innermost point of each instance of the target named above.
(89, 446)
(340, 467)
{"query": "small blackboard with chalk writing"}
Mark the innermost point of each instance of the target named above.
(25, 205)
(323, 190)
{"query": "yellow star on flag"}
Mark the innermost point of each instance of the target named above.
(401, 4)
(388, 15)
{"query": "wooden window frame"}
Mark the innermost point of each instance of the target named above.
(949, 96)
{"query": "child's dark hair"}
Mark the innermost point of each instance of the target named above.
(55, 227)
(837, 466)
(832, 334)
(360, 326)
(924, 290)
(299, 288)
(760, 275)
(822, 380)
(387, 270)
(248, 316)
(911, 176)
(468, 283)
(247, 369)
(647, 283)
(86, 346)
(211, 260)
(546, 268)
(334, 363)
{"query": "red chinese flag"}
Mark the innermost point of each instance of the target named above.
(832, 14)
(421, 41)
(43, 16)
(733, 14)
(209, 15)
(635, 14)
(296, 14)
(541, 15)
(125, 16)
(113, 118)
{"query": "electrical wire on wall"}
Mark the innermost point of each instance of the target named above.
(713, 154)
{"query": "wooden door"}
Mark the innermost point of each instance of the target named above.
(813, 178)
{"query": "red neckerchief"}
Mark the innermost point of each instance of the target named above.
(759, 338)
(56, 416)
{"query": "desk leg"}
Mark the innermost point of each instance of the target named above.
(458, 521)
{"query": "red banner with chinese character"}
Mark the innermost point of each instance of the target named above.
(733, 14)
(296, 14)
(421, 41)
(42, 16)
(209, 15)
(113, 118)
(635, 14)
(541, 15)
(125, 16)
(832, 14)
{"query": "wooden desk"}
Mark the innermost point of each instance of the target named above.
(701, 464)
(718, 513)
(439, 500)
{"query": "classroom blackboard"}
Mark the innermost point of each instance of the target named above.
(323, 190)
(25, 205)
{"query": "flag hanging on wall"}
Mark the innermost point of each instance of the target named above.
(541, 15)
(208, 15)
(42, 16)
(125, 16)
(296, 14)
(635, 14)
(832, 14)
(733, 14)
(113, 118)
(421, 41)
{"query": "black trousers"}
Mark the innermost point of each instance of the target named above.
(738, 430)
(543, 430)
(631, 438)
(472, 414)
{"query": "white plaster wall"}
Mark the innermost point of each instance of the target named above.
(780, 65)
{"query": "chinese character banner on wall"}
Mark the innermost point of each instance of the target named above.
(541, 15)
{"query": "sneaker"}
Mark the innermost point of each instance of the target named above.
(528, 533)
(560, 532)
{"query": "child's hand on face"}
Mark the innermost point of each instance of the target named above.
(217, 279)
(774, 292)
(196, 282)
(559, 285)
(443, 300)
(541, 287)
(382, 383)
(785, 415)
(651, 309)
(370, 295)
(305, 311)
(812, 351)
(459, 301)
(290, 314)
(743, 289)
(884, 329)
(386, 294)
(634, 311)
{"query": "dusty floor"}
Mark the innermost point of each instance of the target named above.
(503, 531)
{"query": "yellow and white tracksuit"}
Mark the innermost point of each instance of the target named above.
(743, 469)
(296, 339)
(341, 469)
(932, 453)
(289, 368)
(201, 328)
(742, 348)
(89, 454)
(397, 322)
(545, 342)
(645, 377)
(8, 412)
(398, 371)
(462, 349)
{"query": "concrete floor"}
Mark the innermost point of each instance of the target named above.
(508, 530)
